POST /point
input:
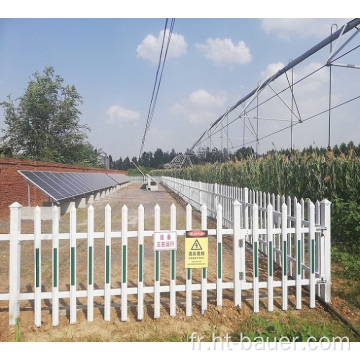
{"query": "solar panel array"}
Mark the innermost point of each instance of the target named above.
(120, 178)
(65, 185)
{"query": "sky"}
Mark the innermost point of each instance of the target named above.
(213, 61)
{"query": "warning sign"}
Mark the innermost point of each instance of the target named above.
(165, 240)
(196, 249)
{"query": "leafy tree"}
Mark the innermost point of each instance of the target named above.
(126, 163)
(117, 164)
(244, 153)
(84, 154)
(5, 151)
(44, 124)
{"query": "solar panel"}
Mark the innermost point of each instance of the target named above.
(120, 178)
(65, 185)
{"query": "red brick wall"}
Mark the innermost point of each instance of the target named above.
(13, 186)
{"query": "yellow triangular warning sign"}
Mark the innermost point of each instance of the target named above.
(196, 245)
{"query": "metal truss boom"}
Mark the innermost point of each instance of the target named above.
(343, 30)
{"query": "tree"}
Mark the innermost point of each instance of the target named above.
(44, 125)
(126, 163)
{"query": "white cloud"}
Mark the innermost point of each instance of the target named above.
(270, 70)
(201, 107)
(303, 27)
(122, 117)
(318, 81)
(225, 52)
(150, 47)
(203, 98)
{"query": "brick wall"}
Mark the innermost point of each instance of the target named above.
(13, 186)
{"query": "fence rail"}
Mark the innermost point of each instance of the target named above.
(288, 234)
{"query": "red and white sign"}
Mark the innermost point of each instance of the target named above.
(165, 240)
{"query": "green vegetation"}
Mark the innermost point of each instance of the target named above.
(17, 330)
(46, 119)
(313, 174)
(148, 160)
(136, 172)
(265, 328)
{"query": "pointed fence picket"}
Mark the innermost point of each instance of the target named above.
(292, 238)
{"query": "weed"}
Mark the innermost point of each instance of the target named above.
(17, 330)
(273, 330)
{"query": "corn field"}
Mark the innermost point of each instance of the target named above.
(308, 176)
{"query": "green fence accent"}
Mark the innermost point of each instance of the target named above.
(107, 275)
(271, 258)
(157, 266)
(173, 264)
(72, 259)
(219, 260)
(55, 267)
(256, 259)
(141, 271)
(124, 264)
(90, 265)
(299, 258)
(37, 267)
(284, 258)
(312, 256)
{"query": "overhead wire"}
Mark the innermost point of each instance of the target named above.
(157, 83)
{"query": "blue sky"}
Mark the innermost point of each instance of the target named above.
(211, 64)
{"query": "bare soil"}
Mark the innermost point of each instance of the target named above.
(217, 320)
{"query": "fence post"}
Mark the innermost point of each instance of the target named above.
(157, 266)
(37, 266)
(298, 254)
(90, 275)
(312, 253)
(141, 213)
(55, 266)
(188, 271)
(72, 265)
(124, 243)
(107, 285)
(203, 270)
(325, 291)
(219, 255)
(318, 238)
(14, 263)
(289, 235)
(270, 254)
(255, 241)
(284, 232)
(236, 253)
(302, 203)
(173, 264)
(245, 223)
(278, 222)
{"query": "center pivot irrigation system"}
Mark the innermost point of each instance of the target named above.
(287, 107)
(277, 104)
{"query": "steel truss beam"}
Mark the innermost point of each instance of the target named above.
(254, 93)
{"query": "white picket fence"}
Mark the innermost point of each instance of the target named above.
(299, 242)
(291, 232)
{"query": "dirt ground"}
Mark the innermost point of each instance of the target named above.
(216, 320)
